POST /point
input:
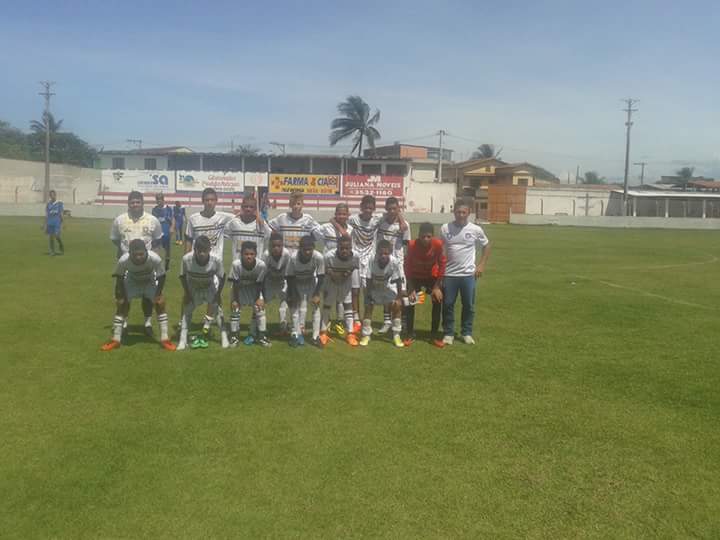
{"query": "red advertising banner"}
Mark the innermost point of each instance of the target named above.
(357, 185)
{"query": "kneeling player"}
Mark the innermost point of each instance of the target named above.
(139, 274)
(341, 281)
(384, 280)
(203, 278)
(305, 275)
(247, 275)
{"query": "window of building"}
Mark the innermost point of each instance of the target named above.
(522, 182)
(150, 164)
(118, 163)
(483, 206)
(396, 170)
(371, 168)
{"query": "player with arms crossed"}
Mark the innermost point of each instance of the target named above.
(294, 225)
(305, 276)
(247, 227)
(248, 275)
(202, 277)
(342, 281)
(384, 280)
(54, 210)
(276, 262)
(139, 274)
(164, 215)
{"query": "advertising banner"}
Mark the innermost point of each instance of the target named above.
(256, 179)
(358, 185)
(142, 181)
(310, 184)
(222, 182)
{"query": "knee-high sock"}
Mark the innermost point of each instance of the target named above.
(117, 327)
(325, 318)
(396, 326)
(185, 321)
(295, 316)
(386, 316)
(261, 319)
(207, 322)
(163, 322)
(235, 321)
(339, 311)
(316, 316)
(367, 327)
(282, 310)
(348, 316)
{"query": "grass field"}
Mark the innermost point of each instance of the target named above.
(588, 409)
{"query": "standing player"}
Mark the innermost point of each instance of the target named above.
(179, 215)
(342, 282)
(461, 240)
(53, 223)
(136, 223)
(276, 262)
(294, 225)
(247, 275)
(384, 287)
(247, 227)
(364, 238)
(164, 215)
(424, 269)
(139, 274)
(202, 277)
(305, 275)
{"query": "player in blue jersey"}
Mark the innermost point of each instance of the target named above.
(179, 215)
(164, 214)
(53, 223)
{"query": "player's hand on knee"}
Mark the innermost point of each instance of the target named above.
(412, 296)
(315, 300)
(260, 304)
(235, 306)
(437, 295)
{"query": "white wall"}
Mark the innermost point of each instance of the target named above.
(559, 201)
(627, 222)
(423, 172)
(133, 162)
(23, 181)
(424, 197)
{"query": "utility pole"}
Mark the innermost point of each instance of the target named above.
(46, 117)
(440, 158)
(628, 124)
(642, 170)
(577, 174)
(135, 141)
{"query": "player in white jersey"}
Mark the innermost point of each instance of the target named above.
(136, 223)
(305, 275)
(247, 227)
(342, 281)
(248, 276)
(294, 225)
(384, 287)
(209, 223)
(202, 277)
(276, 261)
(139, 274)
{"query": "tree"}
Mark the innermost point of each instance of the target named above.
(486, 151)
(684, 176)
(591, 177)
(356, 122)
(247, 150)
(64, 147)
(13, 143)
(39, 126)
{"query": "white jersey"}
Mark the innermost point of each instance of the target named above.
(383, 279)
(460, 246)
(342, 271)
(125, 229)
(238, 232)
(328, 234)
(212, 227)
(364, 235)
(305, 273)
(397, 238)
(248, 281)
(293, 229)
(201, 276)
(276, 269)
(141, 274)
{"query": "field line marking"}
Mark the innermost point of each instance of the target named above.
(666, 266)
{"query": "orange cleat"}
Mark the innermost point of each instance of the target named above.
(324, 339)
(439, 343)
(352, 340)
(168, 345)
(408, 341)
(110, 345)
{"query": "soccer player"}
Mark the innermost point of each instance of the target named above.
(424, 269)
(294, 225)
(53, 223)
(305, 275)
(209, 223)
(364, 238)
(136, 223)
(342, 281)
(248, 275)
(384, 281)
(179, 215)
(202, 277)
(164, 215)
(461, 239)
(247, 227)
(276, 262)
(139, 274)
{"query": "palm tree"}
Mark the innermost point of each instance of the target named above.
(247, 150)
(356, 122)
(591, 177)
(685, 175)
(486, 151)
(39, 126)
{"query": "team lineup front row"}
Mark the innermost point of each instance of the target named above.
(278, 260)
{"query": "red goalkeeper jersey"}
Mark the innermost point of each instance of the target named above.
(425, 263)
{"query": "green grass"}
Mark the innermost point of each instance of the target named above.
(588, 409)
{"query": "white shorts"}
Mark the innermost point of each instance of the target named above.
(381, 296)
(340, 292)
(140, 290)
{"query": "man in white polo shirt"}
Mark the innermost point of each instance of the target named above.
(461, 239)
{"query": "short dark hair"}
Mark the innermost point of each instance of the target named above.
(307, 241)
(426, 228)
(296, 196)
(384, 244)
(463, 201)
(208, 191)
(276, 236)
(159, 195)
(202, 242)
(135, 195)
(368, 199)
(344, 239)
(248, 245)
(391, 200)
(248, 197)
(52, 191)
(137, 244)
(343, 206)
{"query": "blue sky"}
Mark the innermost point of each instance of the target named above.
(544, 80)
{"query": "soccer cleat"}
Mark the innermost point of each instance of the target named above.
(448, 340)
(317, 343)
(263, 341)
(352, 340)
(324, 339)
(199, 342)
(293, 341)
(357, 327)
(224, 341)
(168, 345)
(385, 328)
(408, 341)
(249, 340)
(468, 340)
(338, 328)
(439, 343)
(234, 341)
(110, 345)
(148, 331)
(397, 341)
(364, 341)
(301, 340)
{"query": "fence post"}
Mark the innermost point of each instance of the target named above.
(542, 207)
(573, 207)
(16, 194)
(602, 208)
(74, 195)
(587, 203)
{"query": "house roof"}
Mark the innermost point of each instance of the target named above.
(160, 151)
(670, 194)
(704, 184)
(537, 171)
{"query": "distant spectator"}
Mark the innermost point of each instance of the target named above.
(53, 223)
(179, 215)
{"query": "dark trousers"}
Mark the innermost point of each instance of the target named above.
(418, 285)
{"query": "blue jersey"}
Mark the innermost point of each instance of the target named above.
(179, 213)
(54, 212)
(164, 214)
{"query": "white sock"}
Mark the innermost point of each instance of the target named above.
(325, 324)
(302, 314)
(295, 316)
(235, 321)
(316, 316)
(397, 326)
(163, 322)
(282, 310)
(118, 327)
(367, 327)
(208, 321)
(348, 315)
(386, 317)
(261, 321)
